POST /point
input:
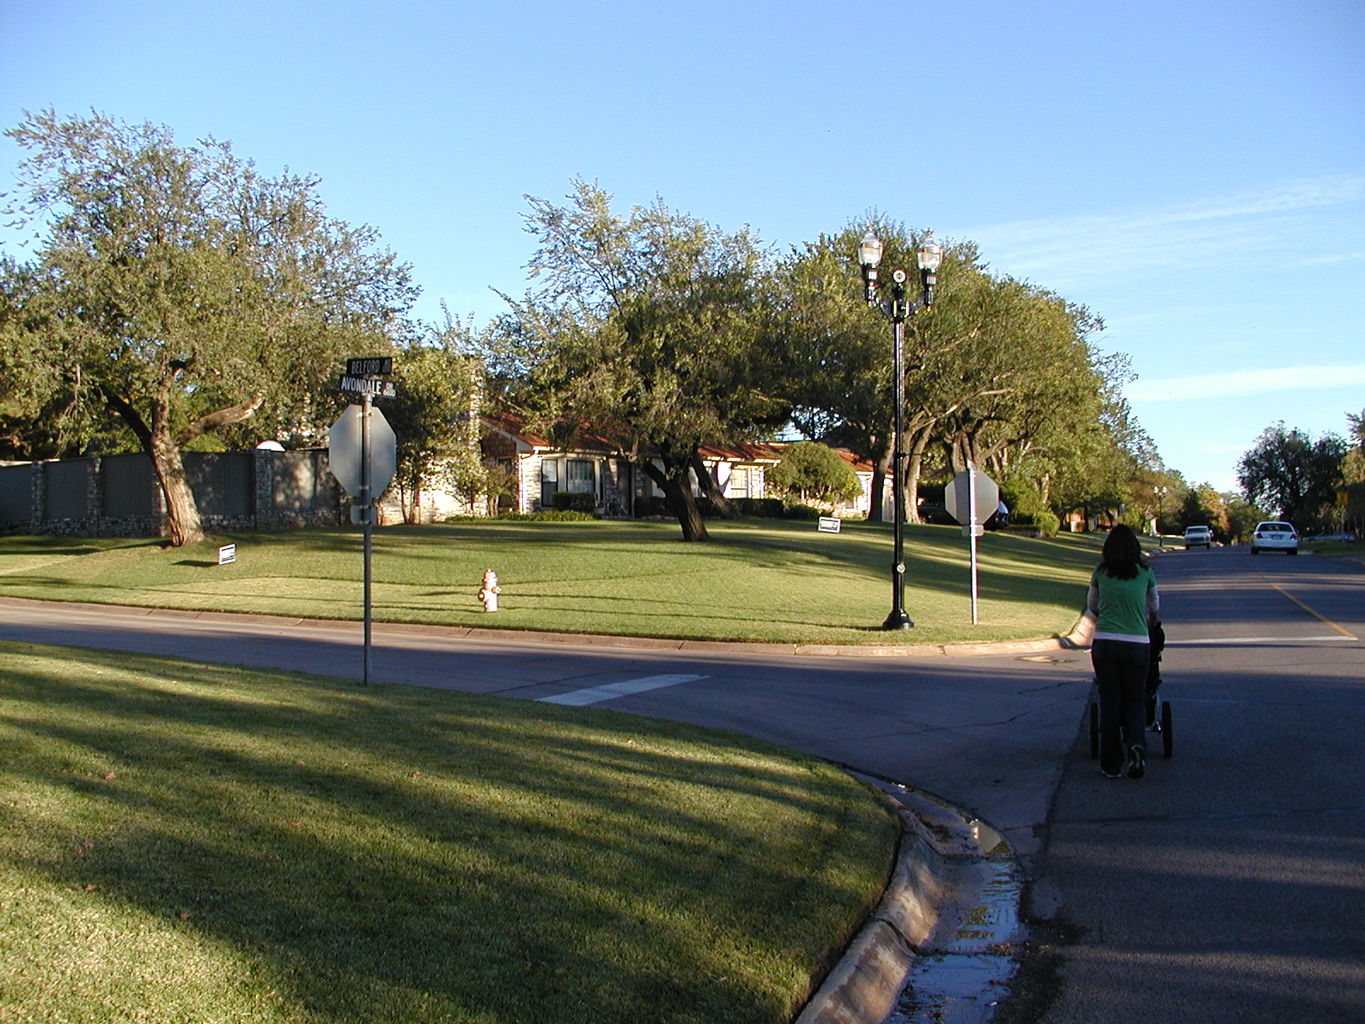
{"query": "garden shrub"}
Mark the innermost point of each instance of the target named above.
(564, 501)
(762, 508)
(649, 506)
(549, 515)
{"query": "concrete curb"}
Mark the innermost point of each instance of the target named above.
(928, 890)
(510, 636)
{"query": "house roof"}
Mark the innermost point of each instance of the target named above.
(859, 465)
(514, 428)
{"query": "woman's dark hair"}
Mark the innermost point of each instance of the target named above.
(1122, 554)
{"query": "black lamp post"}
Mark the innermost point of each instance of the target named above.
(898, 309)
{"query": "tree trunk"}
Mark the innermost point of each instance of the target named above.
(881, 460)
(183, 525)
(711, 489)
(677, 490)
(914, 461)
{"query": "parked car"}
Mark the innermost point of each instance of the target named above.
(1198, 537)
(1275, 536)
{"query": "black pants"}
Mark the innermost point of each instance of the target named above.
(1121, 676)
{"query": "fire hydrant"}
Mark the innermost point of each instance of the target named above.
(488, 593)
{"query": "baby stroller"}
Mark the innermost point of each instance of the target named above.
(1157, 723)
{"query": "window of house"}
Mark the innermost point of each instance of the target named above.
(579, 478)
(739, 485)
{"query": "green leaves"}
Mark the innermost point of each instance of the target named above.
(185, 289)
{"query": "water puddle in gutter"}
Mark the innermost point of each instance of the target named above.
(965, 969)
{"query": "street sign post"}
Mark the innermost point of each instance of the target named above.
(362, 451)
(971, 499)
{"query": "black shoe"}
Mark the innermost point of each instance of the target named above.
(1111, 775)
(1137, 763)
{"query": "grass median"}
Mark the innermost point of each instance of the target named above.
(757, 580)
(185, 842)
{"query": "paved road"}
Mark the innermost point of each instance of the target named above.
(1229, 884)
(1226, 886)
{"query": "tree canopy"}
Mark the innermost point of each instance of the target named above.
(651, 328)
(1000, 373)
(180, 290)
(1289, 472)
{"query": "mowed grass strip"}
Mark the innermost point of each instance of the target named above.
(758, 580)
(184, 842)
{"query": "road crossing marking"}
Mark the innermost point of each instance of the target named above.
(611, 691)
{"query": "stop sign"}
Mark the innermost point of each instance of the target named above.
(957, 497)
(344, 443)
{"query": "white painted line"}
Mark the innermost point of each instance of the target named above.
(610, 691)
(1214, 641)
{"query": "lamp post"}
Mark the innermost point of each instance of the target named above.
(898, 309)
(1159, 499)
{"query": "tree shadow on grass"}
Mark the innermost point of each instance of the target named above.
(407, 855)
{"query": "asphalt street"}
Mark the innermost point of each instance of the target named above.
(1228, 885)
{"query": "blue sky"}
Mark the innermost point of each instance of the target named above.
(1194, 172)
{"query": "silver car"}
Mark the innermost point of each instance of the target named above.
(1275, 536)
(1198, 537)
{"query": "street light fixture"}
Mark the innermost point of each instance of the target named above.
(898, 309)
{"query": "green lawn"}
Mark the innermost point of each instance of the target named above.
(758, 580)
(1335, 548)
(191, 843)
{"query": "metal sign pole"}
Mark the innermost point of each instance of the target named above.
(971, 517)
(365, 508)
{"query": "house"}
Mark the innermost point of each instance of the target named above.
(591, 465)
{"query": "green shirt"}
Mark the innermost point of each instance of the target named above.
(1123, 607)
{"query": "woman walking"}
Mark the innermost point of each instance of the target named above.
(1124, 603)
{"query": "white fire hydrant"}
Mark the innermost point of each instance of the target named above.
(488, 593)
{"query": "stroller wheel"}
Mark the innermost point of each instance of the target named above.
(1167, 736)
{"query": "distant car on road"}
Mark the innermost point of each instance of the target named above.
(1198, 537)
(1275, 536)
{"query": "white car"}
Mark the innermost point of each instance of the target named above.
(1275, 536)
(1198, 536)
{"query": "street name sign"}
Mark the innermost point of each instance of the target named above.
(377, 366)
(372, 386)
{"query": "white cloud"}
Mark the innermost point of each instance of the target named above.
(1260, 223)
(1240, 383)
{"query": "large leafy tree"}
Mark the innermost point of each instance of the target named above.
(436, 416)
(182, 291)
(1000, 372)
(651, 329)
(1291, 473)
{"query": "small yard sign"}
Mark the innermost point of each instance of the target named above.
(829, 524)
(227, 554)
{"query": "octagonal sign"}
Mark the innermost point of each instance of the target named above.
(344, 443)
